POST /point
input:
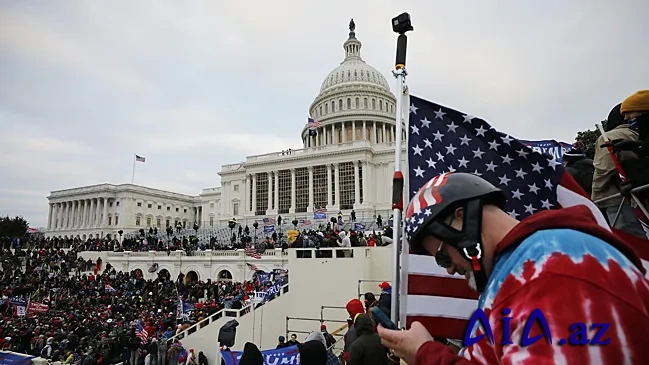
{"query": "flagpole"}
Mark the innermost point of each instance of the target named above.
(401, 25)
(261, 326)
(133, 174)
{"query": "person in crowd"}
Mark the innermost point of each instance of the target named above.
(162, 350)
(314, 351)
(281, 342)
(367, 349)
(580, 167)
(385, 299)
(511, 263)
(606, 179)
(370, 301)
(202, 359)
(329, 339)
(293, 341)
(354, 308)
(251, 355)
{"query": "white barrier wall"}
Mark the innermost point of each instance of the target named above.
(313, 282)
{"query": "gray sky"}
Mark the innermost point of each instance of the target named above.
(193, 85)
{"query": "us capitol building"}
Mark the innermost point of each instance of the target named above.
(347, 165)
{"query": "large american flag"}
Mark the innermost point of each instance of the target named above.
(445, 140)
(141, 333)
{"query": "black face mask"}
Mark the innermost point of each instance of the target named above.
(640, 124)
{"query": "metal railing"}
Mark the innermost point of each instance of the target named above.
(230, 313)
(634, 197)
(360, 282)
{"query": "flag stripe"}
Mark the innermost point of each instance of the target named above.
(452, 328)
(444, 287)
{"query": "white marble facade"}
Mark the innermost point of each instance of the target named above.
(348, 164)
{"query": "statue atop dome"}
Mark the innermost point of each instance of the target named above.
(352, 25)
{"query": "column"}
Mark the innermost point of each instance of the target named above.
(49, 216)
(357, 190)
(364, 132)
(276, 205)
(98, 215)
(91, 214)
(84, 221)
(104, 217)
(66, 215)
(366, 178)
(254, 193)
(310, 207)
(333, 134)
(384, 139)
(329, 203)
(373, 138)
(353, 130)
(292, 209)
(270, 192)
(337, 179)
(73, 219)
(344, 132)
(246, 196)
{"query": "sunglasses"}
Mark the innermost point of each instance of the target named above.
(442, 259)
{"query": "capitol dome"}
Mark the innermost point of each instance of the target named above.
(354, 103)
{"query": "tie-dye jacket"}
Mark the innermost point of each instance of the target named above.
(562, 263)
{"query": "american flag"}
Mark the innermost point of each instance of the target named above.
(139, 158)
(141, 333)
(252, 267)
(312, 123)
(319, 209)
(252, 252)
(445, 140)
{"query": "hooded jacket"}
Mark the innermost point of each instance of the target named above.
(354, 308)
(345, 242)
(574, 271)
(367, 349)
(318, 336)
(251, 355)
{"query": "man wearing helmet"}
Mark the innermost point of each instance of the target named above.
(559, 261)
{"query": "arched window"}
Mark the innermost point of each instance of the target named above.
(340, 104)
(365, 103)
(320, 114)
(340, 135)
(381, 105)
(357, 104)
(333, 106)
(368, 133)
(349, 103)
(373, 103)
(359, 134)
(326, 108)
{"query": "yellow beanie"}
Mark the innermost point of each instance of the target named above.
(638, 102)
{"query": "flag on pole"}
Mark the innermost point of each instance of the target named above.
(141, 333)
(445, 140)
(312, 123)
(139, 158)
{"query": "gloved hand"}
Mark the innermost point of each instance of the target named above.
(625, 189)
(623, 145)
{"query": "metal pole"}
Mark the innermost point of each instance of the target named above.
(398, 178)
(133, 174)
(261, 327)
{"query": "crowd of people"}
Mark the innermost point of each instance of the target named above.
(88, 313)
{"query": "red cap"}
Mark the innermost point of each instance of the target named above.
(323, 327)
(384, 285)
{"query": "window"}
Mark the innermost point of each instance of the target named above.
(137, 220)
(184, 224)
(381, 105)
(167, 223)
(235, 209)
(349, 103)
(326, 108)
(357, 103)
(301, 190)
(110, 220)
(149, 206)
(212, 221)
(365, 103)
(139, 204)
(333, 106)
(360, 183)
(262, 193)
(117, 204)
(320, 110)
(148, 221)
(159, 207)
(236, 187)
(284, 191)
(168, 208)
(116, 220)
(340, 104)
(333, 183)
(157, 222)
(346, 177)
(373, 103)
(185, 210)
(320, 186)
(110, 204)
(211, 205)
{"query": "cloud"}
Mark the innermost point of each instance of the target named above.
(195, 85)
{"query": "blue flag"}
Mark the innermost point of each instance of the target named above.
(286, 355)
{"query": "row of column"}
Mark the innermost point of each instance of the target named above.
(78, 214)
(388, 132)
(333, 200)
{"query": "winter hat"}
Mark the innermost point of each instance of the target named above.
(638, 102)
(615, 118)
(384, 285)
(354, 307)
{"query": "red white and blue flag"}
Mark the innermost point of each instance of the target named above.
(141, 333)
(443, 140)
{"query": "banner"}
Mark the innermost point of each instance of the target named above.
(286, 355)
(258, 297)
(359, 227)
(36, 307)
(263, 277)
(550, 147)
(269, 229)
(14, 358)
(319, 215)
(273, 290)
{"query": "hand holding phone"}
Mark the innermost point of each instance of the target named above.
(383, 319)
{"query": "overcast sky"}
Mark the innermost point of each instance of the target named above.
(193, 85)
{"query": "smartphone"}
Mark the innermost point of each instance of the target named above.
(383, 319)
